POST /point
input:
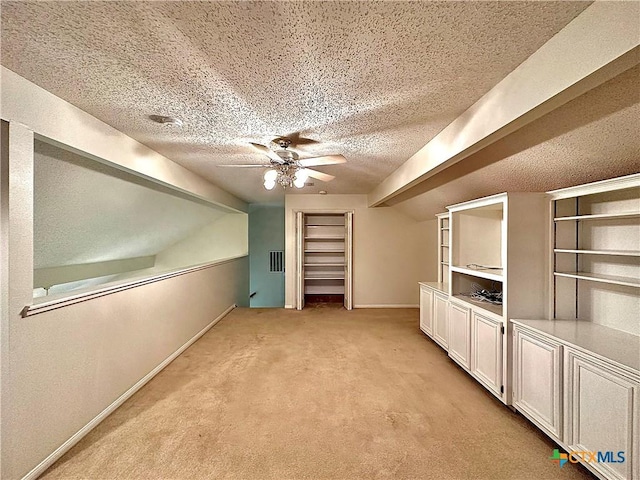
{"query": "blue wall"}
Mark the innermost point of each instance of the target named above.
(266, 233)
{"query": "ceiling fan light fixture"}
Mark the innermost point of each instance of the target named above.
(270, 176)
(269, 184)
(300, 178)
(302, 175)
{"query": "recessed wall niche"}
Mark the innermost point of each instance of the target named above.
(96, 224)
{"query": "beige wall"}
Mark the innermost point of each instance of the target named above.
(391, 252)
(226, 237)
(69, 364)
(61, 369)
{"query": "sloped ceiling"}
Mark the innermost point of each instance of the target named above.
(374, 81)
(86, 212)
(594, 137)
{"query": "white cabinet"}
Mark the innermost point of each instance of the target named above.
(440, 320)
(497, 267)
(460, 334)
(537, 380)
(601, 404)
(486, 352)
(426, 310)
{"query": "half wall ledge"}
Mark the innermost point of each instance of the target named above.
(66, 300)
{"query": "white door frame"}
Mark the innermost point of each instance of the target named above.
(348, 251)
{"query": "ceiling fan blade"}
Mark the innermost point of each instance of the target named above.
(246, 165)
(323, 160)
(267, 151)
(319, 175)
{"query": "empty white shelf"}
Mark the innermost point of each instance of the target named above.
(318, 264)
(492, 274)
(317, 250)
(626, 253)
(597, 277)
(318, 237)
(599, 216)
(324, 278)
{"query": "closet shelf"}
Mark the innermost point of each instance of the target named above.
(625, 253)
(487, 274)
(324, 225)
(319, 250)
(324, 278)
(597, 277)
(317, 237)
(599, 216)
(324, 264)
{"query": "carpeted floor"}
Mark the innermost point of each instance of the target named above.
(318, 394)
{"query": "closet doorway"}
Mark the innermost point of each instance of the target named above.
(324, 254)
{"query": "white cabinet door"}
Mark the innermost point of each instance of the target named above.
(537, 378)
(460, 334)
(426, 310)
(486, 352)
(601, 408)
(440, 320)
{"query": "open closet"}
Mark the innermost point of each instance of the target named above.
(323, 258)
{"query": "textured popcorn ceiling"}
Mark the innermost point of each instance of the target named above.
(594, 137)
(373, 81)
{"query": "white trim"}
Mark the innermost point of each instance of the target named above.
(394, 305)
(482, 202)
(323, 210)
(67, 300)
(619, 183)
(75, 438)
(289, 307)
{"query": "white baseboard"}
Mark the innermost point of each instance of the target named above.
(289, 306)
(395, 305)
(66, 446)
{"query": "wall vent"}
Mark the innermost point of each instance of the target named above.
(276, 261)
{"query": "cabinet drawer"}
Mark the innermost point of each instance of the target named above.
(537, 380)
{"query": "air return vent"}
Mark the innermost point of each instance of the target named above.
(276, 261)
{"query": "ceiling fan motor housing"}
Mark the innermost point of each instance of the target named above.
(287, 156)
(282, 142)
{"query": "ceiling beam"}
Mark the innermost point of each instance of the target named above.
(599, 44)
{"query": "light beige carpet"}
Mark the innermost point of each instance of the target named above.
(318, 394)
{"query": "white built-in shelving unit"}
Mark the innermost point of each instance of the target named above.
(577, 374)
(596, 250)
(324, 255)
(496, 244)
(443, 248)
(564, 345)
(324, 259)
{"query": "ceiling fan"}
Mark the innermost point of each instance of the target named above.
(286, 168)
